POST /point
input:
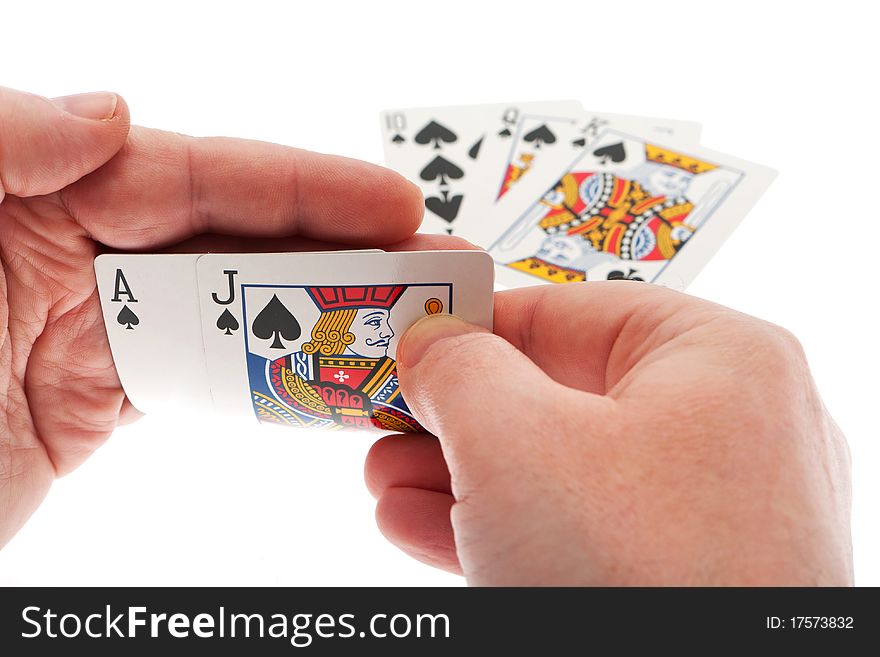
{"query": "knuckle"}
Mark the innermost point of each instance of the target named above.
(779, 351)
(755, 341)
(787, 343)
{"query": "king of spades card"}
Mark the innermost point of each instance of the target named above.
(594, 217)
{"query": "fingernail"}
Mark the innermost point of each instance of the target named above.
(420, 336)
(99, 105)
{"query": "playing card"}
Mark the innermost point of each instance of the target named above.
(153, 322)
(540, 146)
(627, 207)
(541, 142)
(439, 148)
(310, 340)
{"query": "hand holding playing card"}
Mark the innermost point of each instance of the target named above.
(73, 174)
(615, 433)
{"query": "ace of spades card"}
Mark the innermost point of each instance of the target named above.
(153, 323)
(441, 148)
(628, 208)
(319, 332)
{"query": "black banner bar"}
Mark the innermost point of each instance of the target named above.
(423, 621)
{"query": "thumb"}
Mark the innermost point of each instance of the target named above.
(486, 401)
(47, 144)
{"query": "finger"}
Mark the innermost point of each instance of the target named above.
(588, 335)
(128, 414)
(410, 461)
(417, 521)
(233, 244)
(47, 144)
(482, 397)
(165, 187)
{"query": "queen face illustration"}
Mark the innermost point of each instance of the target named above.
(372, 332)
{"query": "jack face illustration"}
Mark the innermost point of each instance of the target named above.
(342, 375)
(372, 331)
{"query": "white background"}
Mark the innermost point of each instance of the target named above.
(182, 500)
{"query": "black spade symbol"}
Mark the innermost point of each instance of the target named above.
(540, 135)
(618, 275)
(614, 152)
(441, 168)
(474, 150)
(437, 133)
(127, 318)
(446, 208)
(398, 139)
(227, 322)
(274, 322)
(579, 142)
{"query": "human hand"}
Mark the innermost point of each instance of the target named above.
(74, 174)
(615, 433)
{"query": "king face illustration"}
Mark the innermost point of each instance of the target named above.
(342, 375)
(592, 217)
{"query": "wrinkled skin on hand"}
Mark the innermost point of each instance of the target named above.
(615, 433)
(76, 178)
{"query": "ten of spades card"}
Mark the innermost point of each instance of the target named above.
(440, 149)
